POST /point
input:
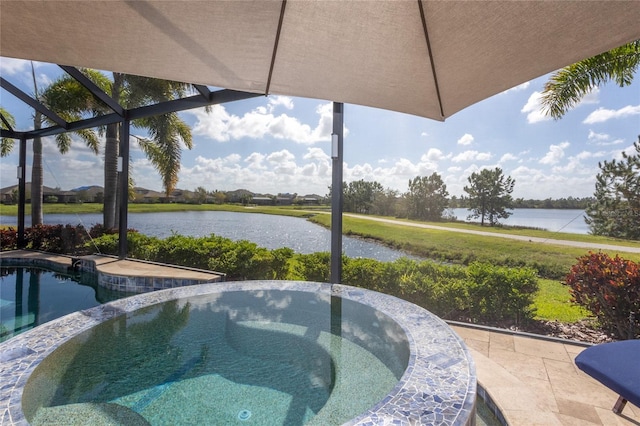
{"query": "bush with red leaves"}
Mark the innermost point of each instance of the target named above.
(610, 289)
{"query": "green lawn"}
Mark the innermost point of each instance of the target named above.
(553, 302)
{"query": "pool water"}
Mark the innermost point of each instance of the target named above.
(265, 357)
(32, 296)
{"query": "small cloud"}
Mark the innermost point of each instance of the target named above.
(434, 154)
(602, 114)
(593, 136)
(507, 157)
(255, 160)
(284, 101)
(533, 109)
(471, 156)
(466, 139)
(424, 134)
(592, 97)
(556, 152)
(10, 66)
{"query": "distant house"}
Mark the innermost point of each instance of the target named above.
(89, 194)
(239, 196)
(9, 194)
(311, 199)
(147, 195)
(262, 200)
(285, 199)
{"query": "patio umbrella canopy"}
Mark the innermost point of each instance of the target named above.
(427, 58)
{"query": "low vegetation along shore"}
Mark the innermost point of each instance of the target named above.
(551, 262)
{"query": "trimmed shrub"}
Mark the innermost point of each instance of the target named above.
(609, 288)
(498, 293)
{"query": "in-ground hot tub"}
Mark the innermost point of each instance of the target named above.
(262, 352)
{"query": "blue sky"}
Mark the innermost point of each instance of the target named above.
(282, 144)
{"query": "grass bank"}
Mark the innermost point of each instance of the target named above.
(552, 261)
(54, 208)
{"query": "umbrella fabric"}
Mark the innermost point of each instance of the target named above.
(428, 58)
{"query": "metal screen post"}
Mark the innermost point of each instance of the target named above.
(124, 188)
(22, 190)
(336, 192)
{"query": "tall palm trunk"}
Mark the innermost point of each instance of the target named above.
(111, 151)
(110, 176)
(37, 179)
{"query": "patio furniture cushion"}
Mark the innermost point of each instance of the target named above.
(617, 366)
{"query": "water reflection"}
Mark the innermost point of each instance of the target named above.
(269, 231)
(32, 296)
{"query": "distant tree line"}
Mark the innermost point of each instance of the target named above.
(576, 203)
(489, 198)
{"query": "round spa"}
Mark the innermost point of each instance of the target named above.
(255, 352)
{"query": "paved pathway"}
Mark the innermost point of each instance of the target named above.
(595, 246)
(535, 381)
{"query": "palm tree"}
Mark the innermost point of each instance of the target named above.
(568, 86)
(166, 131)
(6, 144)
(63, 142)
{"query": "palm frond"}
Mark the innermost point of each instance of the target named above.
(566, 88)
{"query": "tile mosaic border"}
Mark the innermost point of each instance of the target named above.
(438, 387)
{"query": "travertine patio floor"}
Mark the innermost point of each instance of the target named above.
(535, 381)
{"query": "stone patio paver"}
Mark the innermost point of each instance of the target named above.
(536, 382)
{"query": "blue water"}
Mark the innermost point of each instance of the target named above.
(269, 231)
(554, 220)
(31, 296)
(268, 358)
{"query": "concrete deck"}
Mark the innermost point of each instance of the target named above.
(115, 266)
(535, 382)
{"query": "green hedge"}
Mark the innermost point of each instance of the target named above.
(479, 293)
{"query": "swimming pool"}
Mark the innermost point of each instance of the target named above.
(350, 356)
(31, 296)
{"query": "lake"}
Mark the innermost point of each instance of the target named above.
(272, 231)
(269, 231)
(554, 220)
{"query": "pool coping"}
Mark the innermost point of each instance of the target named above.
(114, 273)
(438, 387)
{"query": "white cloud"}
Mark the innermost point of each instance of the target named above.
(593, 97)
(222, 126)
(471, 156)
(434, 154)
(602, 114)
(507, 157)
(575, 165)
(466, 139)
(541, 184)
(261, 172)
(533, 109)
(10, 66)
(275, 101)
(555, 154)
(536, 114)
(597, 137)
(424, 134)
(255, 161)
